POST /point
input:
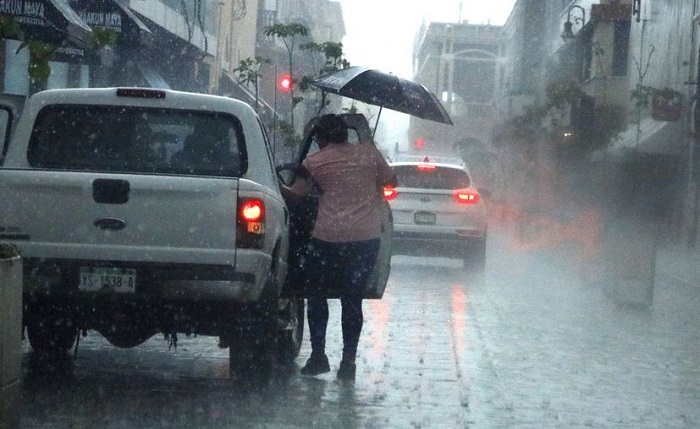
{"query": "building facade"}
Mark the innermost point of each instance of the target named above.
(461, 64)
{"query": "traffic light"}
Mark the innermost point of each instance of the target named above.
(419, 144)
(285, 83)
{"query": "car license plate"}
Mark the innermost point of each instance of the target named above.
(424, 218)
(103, 279)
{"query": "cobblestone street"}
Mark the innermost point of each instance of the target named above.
(527, 345)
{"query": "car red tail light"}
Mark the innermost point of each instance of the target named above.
(466, 196)
(390, 193)
(250, 223)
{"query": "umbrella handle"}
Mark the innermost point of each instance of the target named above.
(376, 123)
(323, 103)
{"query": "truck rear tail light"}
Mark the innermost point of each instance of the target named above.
(390, 193)
(250, 223)
(466, 196)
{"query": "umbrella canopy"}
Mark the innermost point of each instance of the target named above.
(384, 90)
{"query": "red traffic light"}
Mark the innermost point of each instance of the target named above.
(285, 83)
(419, 144)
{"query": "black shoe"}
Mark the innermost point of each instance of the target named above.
(346, 371)
(316, 364)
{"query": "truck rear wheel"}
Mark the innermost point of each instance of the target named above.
(253, 347)
(51, 335)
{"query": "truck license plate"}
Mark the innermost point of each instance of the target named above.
(121, 280)
(424, 218)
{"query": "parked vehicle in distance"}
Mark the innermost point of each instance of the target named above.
(437, 210)
(142, 211)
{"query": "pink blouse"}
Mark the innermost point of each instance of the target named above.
(351, 178)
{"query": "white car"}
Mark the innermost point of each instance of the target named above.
(437, 210)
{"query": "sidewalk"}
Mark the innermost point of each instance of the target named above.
(582, 232)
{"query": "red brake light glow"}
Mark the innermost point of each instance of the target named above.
(250, 223)
(426, 165)
(252, 211)
(390, 193)
(466, 196)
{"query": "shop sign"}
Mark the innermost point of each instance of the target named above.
(102, 19)
(24, 11)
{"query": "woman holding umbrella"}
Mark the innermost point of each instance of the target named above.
(345, 237)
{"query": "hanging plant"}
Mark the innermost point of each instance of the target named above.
(666, 103)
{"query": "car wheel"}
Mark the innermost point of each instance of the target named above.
(253, 346)
(290, 338)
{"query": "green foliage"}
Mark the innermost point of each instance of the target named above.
(39, 56)
(289, 136)
(562, 93)
(286, 31)
(605, 123)
(103, 37)
(40, 53)
(333, 54)
(248, 71)
(642, 95)
(9, 28)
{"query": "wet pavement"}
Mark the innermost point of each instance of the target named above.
(528, 344)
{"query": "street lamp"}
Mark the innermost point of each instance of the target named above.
(568, 35)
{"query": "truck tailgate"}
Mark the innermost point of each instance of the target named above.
(120, 217)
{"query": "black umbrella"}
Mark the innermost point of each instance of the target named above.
(384, 90)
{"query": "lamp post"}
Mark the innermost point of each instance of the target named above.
(568, 35)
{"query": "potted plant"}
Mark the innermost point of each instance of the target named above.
(666, 104)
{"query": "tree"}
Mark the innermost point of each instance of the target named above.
(248, 73)
(332, 61)
(289, 34)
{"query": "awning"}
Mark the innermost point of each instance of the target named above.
(154, 79)
(50, 21)
(114, 16)
(652, 137)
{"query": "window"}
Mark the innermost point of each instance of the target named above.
(136, 140)
(412, 176)
(621, 45)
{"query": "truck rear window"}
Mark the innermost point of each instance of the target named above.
(129, 139)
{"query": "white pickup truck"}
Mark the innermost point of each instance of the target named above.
(142, 211)
(139, 211)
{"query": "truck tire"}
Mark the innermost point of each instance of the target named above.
(253, 347)
(51, 335)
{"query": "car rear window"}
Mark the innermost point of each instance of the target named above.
(431, 177)
(137, 140)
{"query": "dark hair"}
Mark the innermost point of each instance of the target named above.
(331, 128)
